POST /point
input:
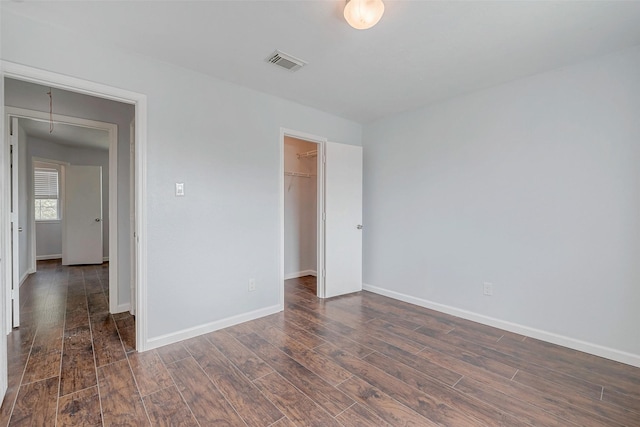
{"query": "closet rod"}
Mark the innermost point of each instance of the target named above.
(312, 153)
(301, 175)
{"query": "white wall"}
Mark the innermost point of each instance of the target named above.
(223, 142)
(49, 234)
(300, 209)
(533, 186)
(49, 240)
(31, 96)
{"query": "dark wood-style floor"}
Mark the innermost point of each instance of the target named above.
(357, 360)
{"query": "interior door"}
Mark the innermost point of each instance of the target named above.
(343, 223)
(15, 228)
(82, 215)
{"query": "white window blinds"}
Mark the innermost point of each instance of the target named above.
(46, 183)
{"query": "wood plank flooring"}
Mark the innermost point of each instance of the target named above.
(356, 360)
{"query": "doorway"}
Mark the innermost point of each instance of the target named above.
(338, 212)
(300, 208)
(69, 141)
(98, 92)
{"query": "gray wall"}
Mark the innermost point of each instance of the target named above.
(33, 97)
(222, 141)
(49, 234)
(533, 186)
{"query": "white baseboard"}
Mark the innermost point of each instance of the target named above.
(24, 277)
(121, 308)
(105, 259)
(47, 257)
(587, 347)
(300, 274)
(208, 327)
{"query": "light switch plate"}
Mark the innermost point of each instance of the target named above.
(179, 189)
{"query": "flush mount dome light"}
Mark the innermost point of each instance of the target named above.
(363, 14)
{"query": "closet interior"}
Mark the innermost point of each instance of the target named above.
(300, 208)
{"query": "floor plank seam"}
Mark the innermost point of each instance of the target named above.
(258, 378)
(277, 421)
(514, 374)
(344, 410)
(303, 393)
(223, 394)
(456, 383)
(185, 400)
(64, 324)
(240, 372)
(342, 382)
(135, 382)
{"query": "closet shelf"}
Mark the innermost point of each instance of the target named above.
(301, 175)
(312, 153)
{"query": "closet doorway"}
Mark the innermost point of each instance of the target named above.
(301, 207)
(321, 214)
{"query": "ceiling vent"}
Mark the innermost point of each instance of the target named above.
(285, 61)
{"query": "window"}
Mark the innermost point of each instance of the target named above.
(47, 194)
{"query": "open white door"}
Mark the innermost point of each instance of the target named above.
(343, 224)
(15, 227)
(82, 215)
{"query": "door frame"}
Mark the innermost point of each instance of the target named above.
(13, 277)
(132, 215)
(74, 84)
(112, 130)
(320, 222)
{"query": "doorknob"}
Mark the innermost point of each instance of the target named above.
(19, 229)
(359, 227)
(98, 220)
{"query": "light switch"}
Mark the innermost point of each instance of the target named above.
(179, 189)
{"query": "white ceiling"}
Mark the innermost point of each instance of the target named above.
(419, 53)
(65, 134)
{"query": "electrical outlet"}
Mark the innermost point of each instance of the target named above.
(252, 285)
(487, 288)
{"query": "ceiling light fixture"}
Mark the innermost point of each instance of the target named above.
(363, 14)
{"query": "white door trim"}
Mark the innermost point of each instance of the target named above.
(74, 84)
(13, 287)
(132, 214)
(320, 268)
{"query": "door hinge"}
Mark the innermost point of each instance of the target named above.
(324, 273)
(324, 216)
(13, 294)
